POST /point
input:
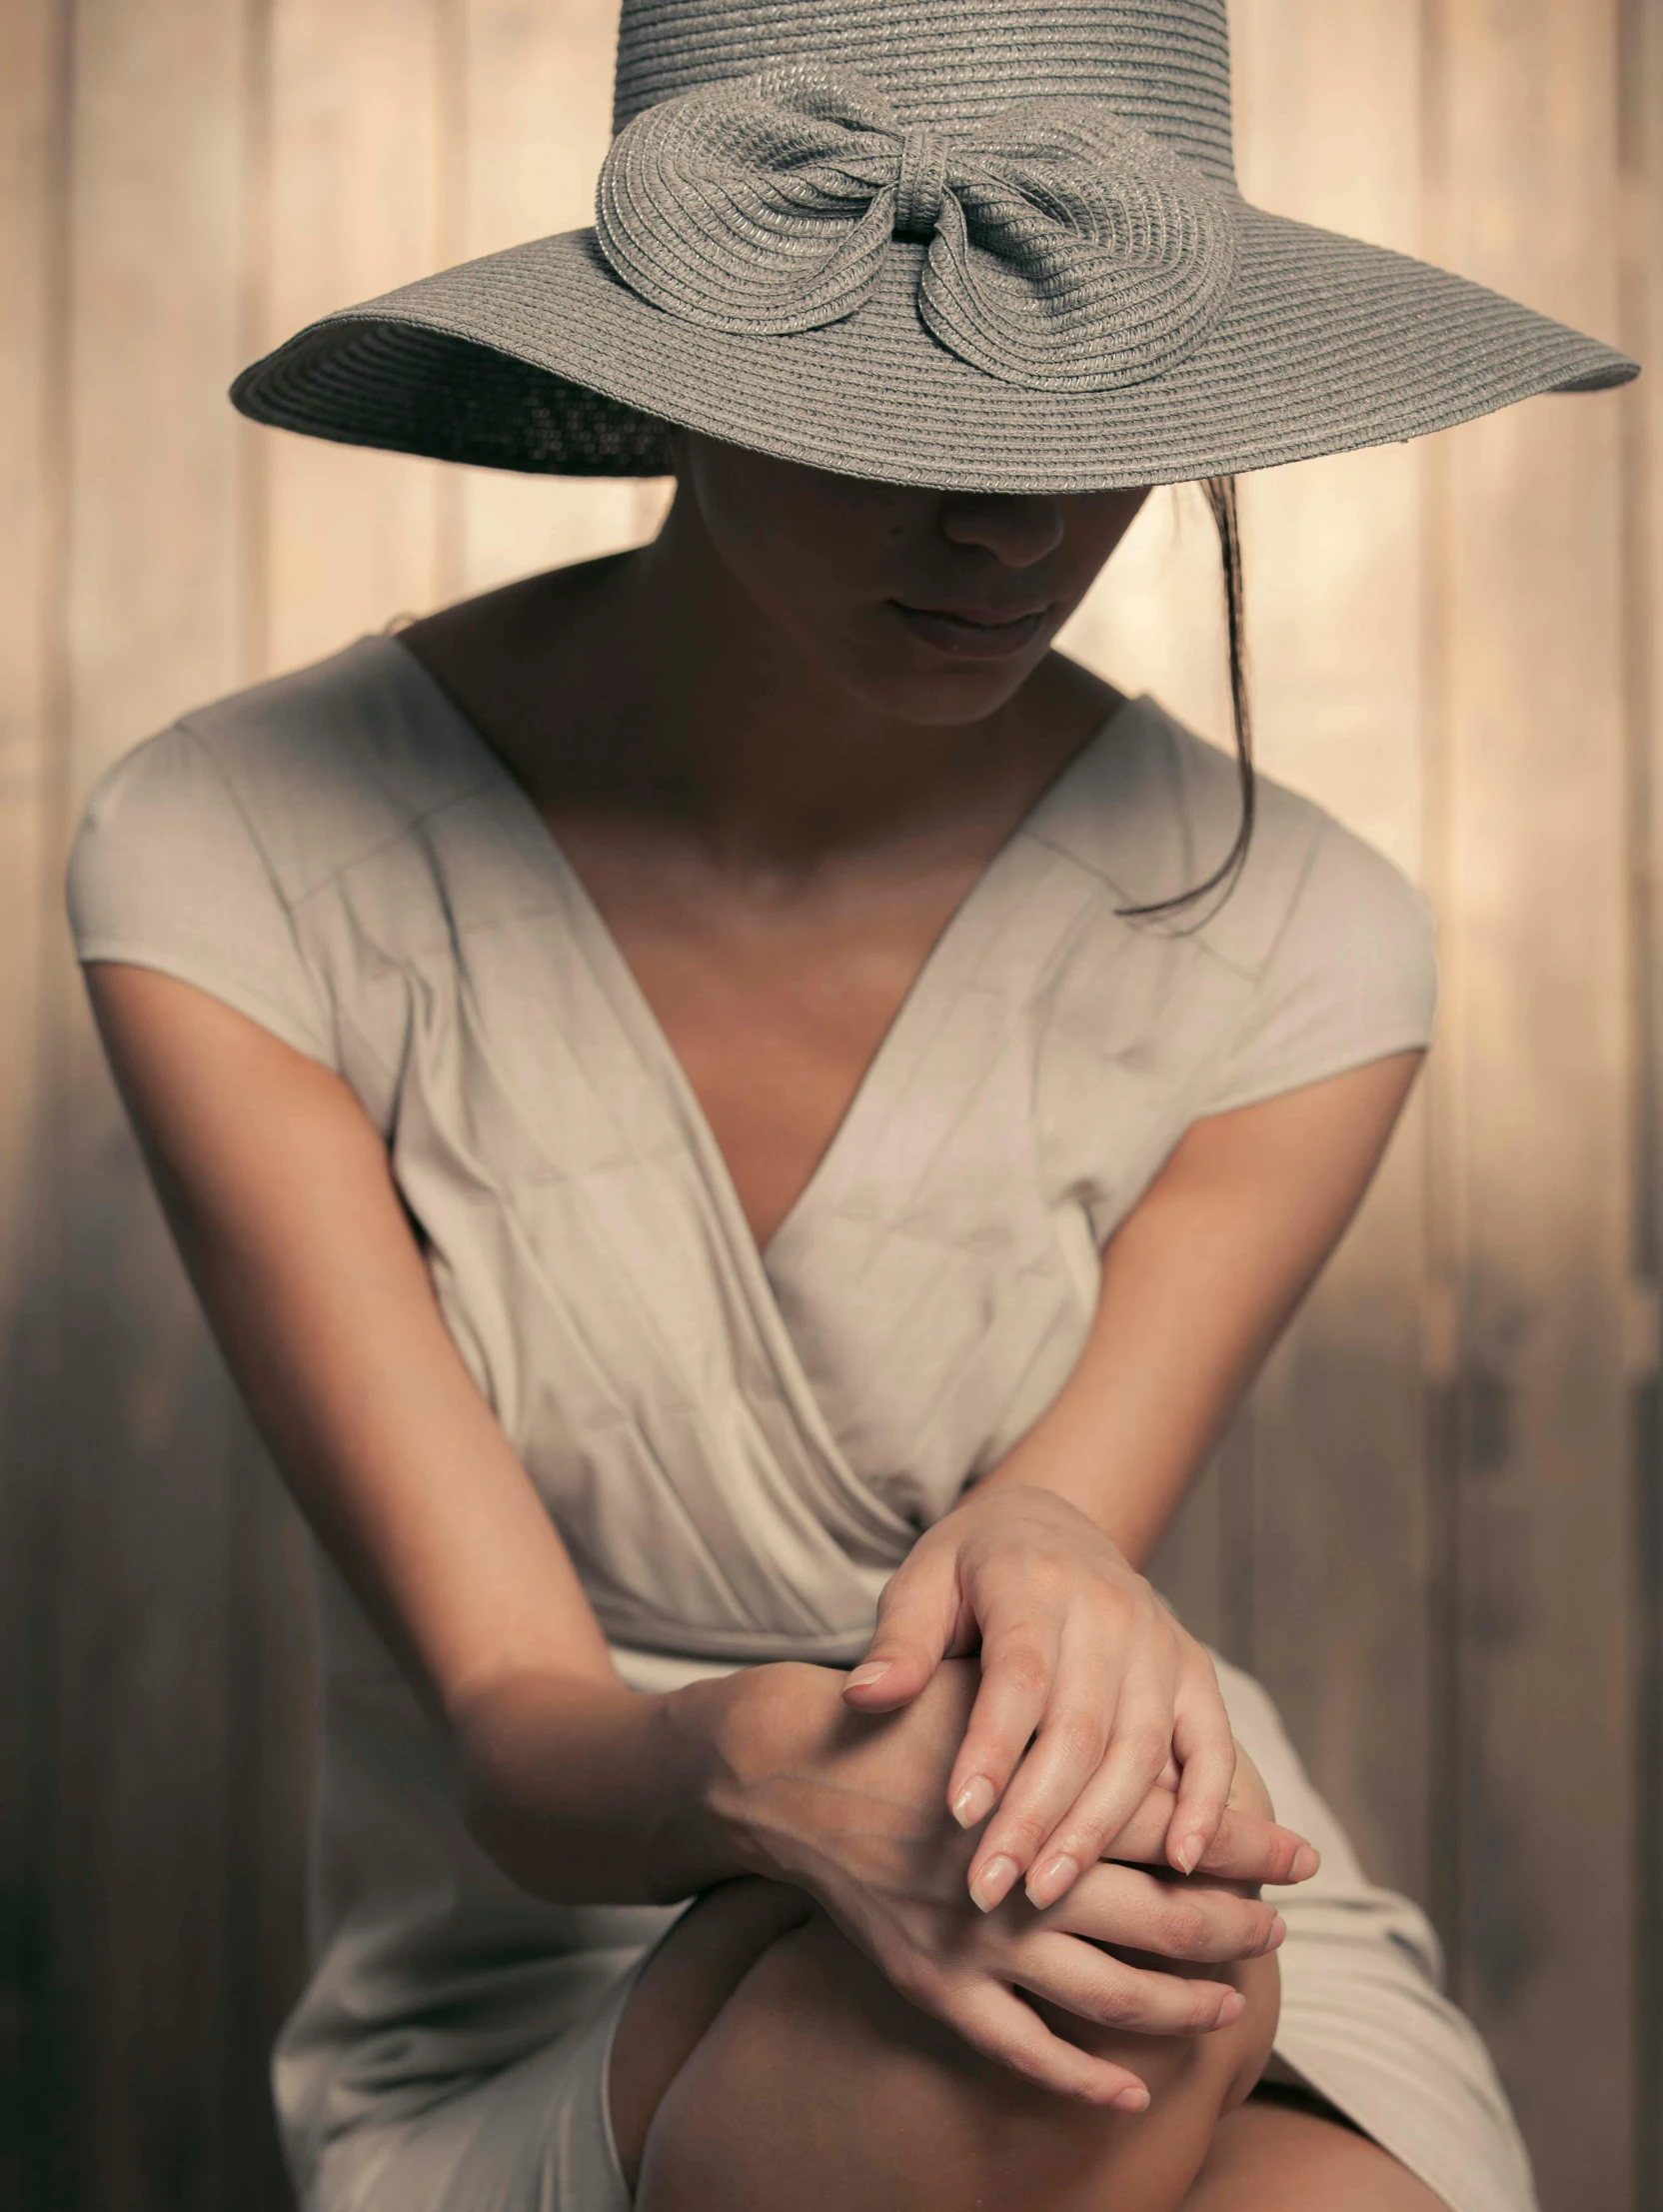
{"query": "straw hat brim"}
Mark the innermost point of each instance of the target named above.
(541, 358)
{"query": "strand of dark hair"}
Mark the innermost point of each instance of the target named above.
(1219, 492)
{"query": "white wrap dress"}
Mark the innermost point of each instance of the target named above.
(738, 1447)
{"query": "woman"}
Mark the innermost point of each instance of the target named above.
(729, 1094)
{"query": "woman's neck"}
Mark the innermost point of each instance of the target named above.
(649, 686)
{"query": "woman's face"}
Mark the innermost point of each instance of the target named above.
(932, 607)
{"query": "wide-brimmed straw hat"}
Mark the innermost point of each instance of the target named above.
(991, 245)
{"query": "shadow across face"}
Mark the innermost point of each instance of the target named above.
(927, 605)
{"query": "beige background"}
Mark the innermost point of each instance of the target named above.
(1438, 1533)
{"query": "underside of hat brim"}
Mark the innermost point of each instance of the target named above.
(541, 358)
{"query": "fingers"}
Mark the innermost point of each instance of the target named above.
(1093, 1987)
(1057, 1957)
(1142, 1841)
(1018, 1665)
(917, 1619)
(1245, 1847)
(1135, 1755)
(1087, 1772)
(1008, 2031)
(1179, 1920)
(1204, 1748)
(1248, 1850)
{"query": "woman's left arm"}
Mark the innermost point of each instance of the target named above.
(1089, 1688)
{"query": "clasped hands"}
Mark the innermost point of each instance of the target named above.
(1081, 1787)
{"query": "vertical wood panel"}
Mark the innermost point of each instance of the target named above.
(1188, 1565)
(1537, 1122)
(29, 91)
(357, 138)
(31, 116)
(1328, 101)
(1642, 151)
(140, 1893)
(272, 1728)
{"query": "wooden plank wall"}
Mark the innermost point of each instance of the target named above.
(29, 170)
(1438, 1530)
(1641, 124)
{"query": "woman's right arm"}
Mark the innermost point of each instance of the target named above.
(279, 1195)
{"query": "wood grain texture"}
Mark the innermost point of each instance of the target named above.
(31, 148)
(139, 1881)
(1536, 1119)
(272, 1731)
(1641, 146)
(142, 1892)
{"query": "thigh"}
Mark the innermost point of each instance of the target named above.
(815, 2085)
(1270, 2158)
(677, 1994)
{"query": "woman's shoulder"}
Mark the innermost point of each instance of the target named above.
(1151, 810)
(317, 767)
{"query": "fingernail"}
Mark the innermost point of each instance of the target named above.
(1278, 1930)
(993, 1885)
(1234, 2005)
(1187, 1856)
(974, 1802)
(1131, 2100)
(1305, 1863)
(1047, 1883)
(873, 1671)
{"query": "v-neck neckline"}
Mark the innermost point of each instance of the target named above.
(647, 1032)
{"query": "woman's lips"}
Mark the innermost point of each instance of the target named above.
(971, 636)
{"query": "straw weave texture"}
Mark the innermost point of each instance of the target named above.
(572, 354)
(1162, 64)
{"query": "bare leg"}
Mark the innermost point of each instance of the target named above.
(804, 2079)
(683, 1987)
(1267, 2158)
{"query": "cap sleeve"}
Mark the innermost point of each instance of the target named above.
(1351, 976)
(166, 872)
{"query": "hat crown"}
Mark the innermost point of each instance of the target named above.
(1162, 64)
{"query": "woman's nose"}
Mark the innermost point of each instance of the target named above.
(1016, 528)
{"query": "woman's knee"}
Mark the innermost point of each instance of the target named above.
(815, 2085)
(1224, 2065)
(1267, 2158)
(680, 1992)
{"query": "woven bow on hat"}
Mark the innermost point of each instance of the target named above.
(1068, 250)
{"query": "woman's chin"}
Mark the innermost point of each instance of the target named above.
(943, 695)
